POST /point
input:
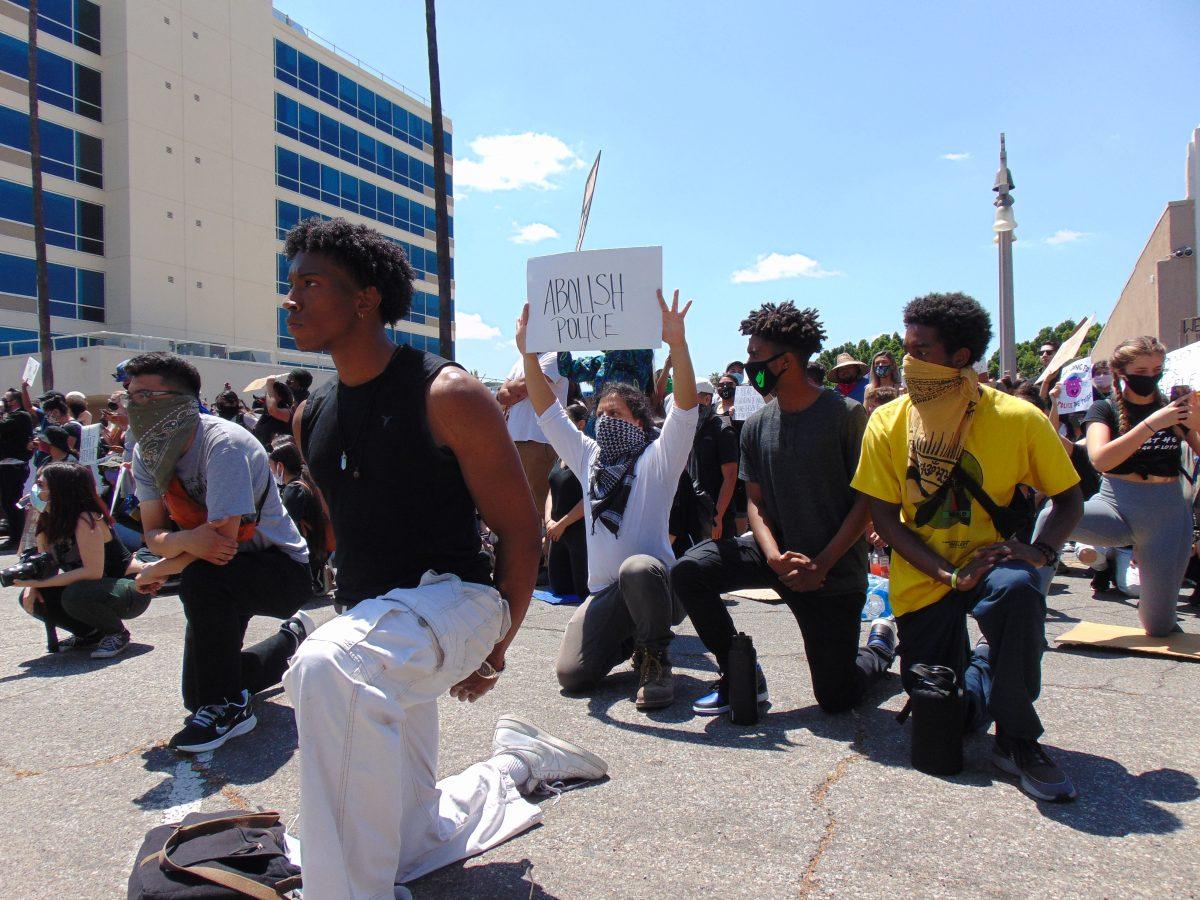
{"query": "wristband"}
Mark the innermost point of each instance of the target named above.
(954, 579)
(1147, 424)
(488, 671)
(1049, 553)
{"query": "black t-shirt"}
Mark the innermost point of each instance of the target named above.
(565, 491)
(1159, 455)
(716, 444)
(301, 505)
(267, 428)
(16, 431)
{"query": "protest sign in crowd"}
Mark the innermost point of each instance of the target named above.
(437, 508)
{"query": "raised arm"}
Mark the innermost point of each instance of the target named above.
(675, 337)
(535, 381)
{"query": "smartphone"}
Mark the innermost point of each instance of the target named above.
(1180, 390)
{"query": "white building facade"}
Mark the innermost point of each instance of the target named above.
(180, 140)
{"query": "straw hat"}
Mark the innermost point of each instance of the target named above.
(844, 360)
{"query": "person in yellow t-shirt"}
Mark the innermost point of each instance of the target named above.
(949, 558)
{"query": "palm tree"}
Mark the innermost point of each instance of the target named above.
(445, 313)
(39, 217)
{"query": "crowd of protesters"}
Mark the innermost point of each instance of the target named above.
(639, 494)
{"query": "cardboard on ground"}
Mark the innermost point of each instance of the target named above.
(1133, 640)
(762, 595)
(595, 300)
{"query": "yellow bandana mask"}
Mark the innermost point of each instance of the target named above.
(943, 403)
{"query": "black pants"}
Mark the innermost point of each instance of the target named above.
(12, 483)
(87, 606)
(829, 621)
(568, 564)
(218, 603)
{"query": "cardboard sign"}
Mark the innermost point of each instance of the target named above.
(1068, 351)
(89, 445)
(1076, 383)
(595, 300)
(259, 383)
(745, 401)
(32, 367)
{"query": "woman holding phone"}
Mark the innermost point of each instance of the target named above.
(1134, 439)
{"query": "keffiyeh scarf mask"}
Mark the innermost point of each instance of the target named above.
(162, 428)
(621, 443)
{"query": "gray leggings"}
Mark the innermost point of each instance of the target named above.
(1154, 519)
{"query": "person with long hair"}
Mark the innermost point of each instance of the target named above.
(94, 593)
(303, 503)
(885, 373)
(629, 478)
(1134, 439)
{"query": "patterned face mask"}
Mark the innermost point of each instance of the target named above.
(163, 426)
(621, 444)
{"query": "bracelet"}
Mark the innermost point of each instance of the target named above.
(1147, 424)
(1049, 553)
(488, 671)
(954, 579)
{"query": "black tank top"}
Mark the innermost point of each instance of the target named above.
(409, 510)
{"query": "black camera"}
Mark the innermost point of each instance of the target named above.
(32, 567)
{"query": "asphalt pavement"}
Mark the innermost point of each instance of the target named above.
(804, 804)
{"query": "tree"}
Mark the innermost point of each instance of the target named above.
(1029, 364)
(45, 343)
(864, 351)
(445, 310)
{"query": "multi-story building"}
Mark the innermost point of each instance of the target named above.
(180, 139)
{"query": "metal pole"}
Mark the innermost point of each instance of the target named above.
(1004, 227)
(45, 343)
(445, 309)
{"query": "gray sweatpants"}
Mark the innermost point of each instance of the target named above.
(637, 610)
(1154, 519)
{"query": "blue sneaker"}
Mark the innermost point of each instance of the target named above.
(716, 702)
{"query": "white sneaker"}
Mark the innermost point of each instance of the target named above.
(300, 625)
(549, 758)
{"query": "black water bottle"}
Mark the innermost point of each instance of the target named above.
(937, 706)
(741, 678)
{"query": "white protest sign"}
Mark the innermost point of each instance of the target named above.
(1181, 366)
(595, 300)
(1076, 383)
(32, 367)
(89, 445)
(745, 401)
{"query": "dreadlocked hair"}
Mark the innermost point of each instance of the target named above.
(1124, 355)
(798, 330)
(368, 257)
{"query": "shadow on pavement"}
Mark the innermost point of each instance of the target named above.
(71, 662)
(489, 880)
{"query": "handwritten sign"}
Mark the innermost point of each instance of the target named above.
(32, 367)
(89, 445)
(1181, 366)
(746, 400)
(1076, 382)
(595, 300)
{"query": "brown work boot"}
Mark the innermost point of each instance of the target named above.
(656, 684)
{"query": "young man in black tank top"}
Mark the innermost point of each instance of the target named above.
(405, 446)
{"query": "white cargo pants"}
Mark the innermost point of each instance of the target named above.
(365, 688)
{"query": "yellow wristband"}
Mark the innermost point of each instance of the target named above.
(954, 579)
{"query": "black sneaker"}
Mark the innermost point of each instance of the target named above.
(882, 638)
(299, 626)
(1040, 776)
(111, 645)
(716, 701)
(81, 641)
(1102, 581)
(211, 726)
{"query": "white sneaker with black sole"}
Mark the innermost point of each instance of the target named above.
(551, 759)
(300, 626)
(211, 726)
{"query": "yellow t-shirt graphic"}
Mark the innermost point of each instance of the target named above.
(1010, 443)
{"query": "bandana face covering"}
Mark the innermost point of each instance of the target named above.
(621, 445)
(163, 427)
(943, 404)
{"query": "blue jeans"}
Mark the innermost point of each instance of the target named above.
(1002, 683)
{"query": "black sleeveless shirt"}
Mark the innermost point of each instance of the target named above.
(409, 510)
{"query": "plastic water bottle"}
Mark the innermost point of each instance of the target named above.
(877, 603)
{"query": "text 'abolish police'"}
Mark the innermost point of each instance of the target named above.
(583, 308)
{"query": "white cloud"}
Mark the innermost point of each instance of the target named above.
(778, 266)
(956, 157)
(532, 233)
(1065, 236)
(509, 162)
(471, 327)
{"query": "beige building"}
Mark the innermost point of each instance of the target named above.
(1162, 295)
(180, 140)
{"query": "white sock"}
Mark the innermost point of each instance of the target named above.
(512, 765)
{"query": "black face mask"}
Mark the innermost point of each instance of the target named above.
(760, 375)
(725, 391)
(1144, 385)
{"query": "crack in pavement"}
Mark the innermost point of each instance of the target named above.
(19, 773)
(808, 883)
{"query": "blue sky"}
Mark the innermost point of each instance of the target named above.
(857, 142)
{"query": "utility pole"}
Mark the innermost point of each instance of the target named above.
(445, 311)
(1004, 226)
(39, 215)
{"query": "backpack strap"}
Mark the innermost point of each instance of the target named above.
(225, 878)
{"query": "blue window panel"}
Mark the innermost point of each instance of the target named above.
(447, 143)
(91, 289)
(328, 80)
(331, 183)
(58, 143)
(287, 163)
(330, 135)
(309, 74)
(310, 121)
(366, 150)
(383, 114)
(385, 202)
(348, 141)
(366, 105)
(285, 58)
(62, 283)
(18, 275)
(366, 197)
(347, 94)
(66, 310)
(60, 212)
(14, 56)
(14, 129)
(281, 274)
(56, 73)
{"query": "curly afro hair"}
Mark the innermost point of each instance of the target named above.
(798, 330)
(959, 319)
(366, 255)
